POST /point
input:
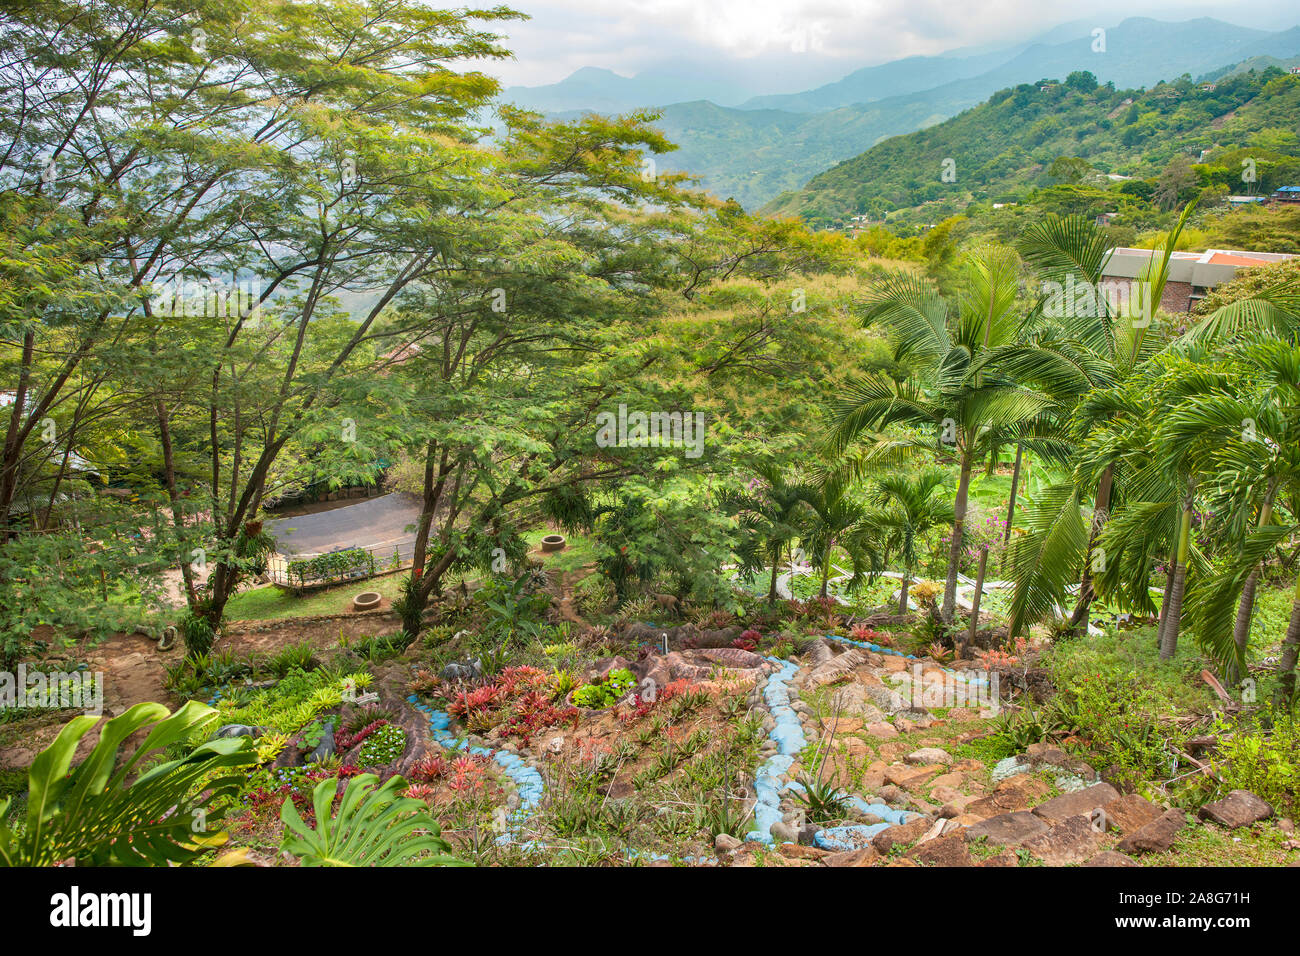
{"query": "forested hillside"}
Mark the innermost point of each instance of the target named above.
(1165, 142)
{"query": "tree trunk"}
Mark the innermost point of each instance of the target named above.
(902, 597)
(1100, 510)
(1015, 487)
(958, 537)
(975, 602)
(1169, 639)
(1246, 607)
(1164, 599)
(1291, 649)
(826, 568)
(771, 587)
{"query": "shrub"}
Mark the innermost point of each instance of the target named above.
(606, 692)
(1264, 761)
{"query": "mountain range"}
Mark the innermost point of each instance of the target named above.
(770, 144)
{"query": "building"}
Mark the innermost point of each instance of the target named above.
(1287, 194)
(1191, 274)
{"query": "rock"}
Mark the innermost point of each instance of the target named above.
(1240, 808)
(725, 843)
(808, 833)
(864, 857)
(945, 851)
(469, 670)
(1007, 829)
(326, 745)
(944, 794)
(1006, 857)
(1071, 841)
(797, 851)
(910, 777)
(1130, 812)
(881, 729)
(1111, 858)
(950, 779)
(892, 794)
(914, 829)
(928, 755)
(238, 730)
(1157, 835)
(1084, 802)
(1009, 796)
(782, 832)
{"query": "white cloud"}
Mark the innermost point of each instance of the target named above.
(835, 36)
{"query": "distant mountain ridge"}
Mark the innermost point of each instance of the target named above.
(753, 154)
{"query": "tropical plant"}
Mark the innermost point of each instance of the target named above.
(92, 815)
(908, 506)
(373, 827)
(961, 404)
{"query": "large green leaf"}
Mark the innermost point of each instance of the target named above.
(373, 827)
(93, 815)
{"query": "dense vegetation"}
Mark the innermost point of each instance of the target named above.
(461, 313)
(1055, 144)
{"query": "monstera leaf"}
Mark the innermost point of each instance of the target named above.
(372, 828)
(91, 814)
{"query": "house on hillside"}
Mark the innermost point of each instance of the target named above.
(1191, 274)
(1287, 194)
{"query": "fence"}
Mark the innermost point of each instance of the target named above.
(307, 571)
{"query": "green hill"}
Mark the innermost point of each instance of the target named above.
(1004, 149)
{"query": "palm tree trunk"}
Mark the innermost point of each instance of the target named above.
(826, 569)
(1246, 607)
(1164, 599)
(975, 602)
(1015, 487)
(902, 597)
(1291, 648)
(771, 588)
(1101, 507)
(958, 538)
(1169, 639)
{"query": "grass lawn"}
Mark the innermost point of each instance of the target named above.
(579, 551)
(272, 603)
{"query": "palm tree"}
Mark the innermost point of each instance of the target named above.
(1075, 353)
(832, 518)
(961, 401)
(769, 517)
(909, 506)
(1254, 458)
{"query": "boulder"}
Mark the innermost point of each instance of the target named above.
(1240, 808)
(1071, 841)
(912, 830)
(1084, 802)
(864, 857)
(1007, 829)
(928, 755)
(1130, 812)
(1111, 858)
(1155, 836)
(948, 850)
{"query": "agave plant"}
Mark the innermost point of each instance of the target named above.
(373, 827)
(92, 815)
(821, 799)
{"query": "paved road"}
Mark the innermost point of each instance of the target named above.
(380, 524)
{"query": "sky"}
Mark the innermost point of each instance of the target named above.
(788, 45)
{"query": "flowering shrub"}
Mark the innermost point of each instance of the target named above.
(999, 657)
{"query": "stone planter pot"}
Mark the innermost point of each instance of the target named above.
(367, 601)
(553, 542)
